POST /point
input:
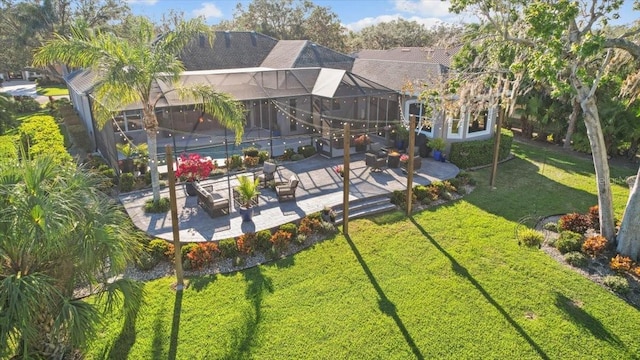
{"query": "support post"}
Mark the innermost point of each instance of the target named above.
(345, 178)
(174, 220)
(412, 145)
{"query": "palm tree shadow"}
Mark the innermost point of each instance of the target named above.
(462, 271)
(386, 306)
(175, 325)
(257, 284)
(127, 337)
(583, 319)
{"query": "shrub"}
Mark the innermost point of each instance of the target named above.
(306, 150)
(551, 226)
(328, 228)
(234, 162)
(465, 178)
(251, 151)
(291, 228)
(202, 254)
(251, 161)
(616, 283)
(26, 104)
(568, 241)
(126, 182)
(228, 248)
(246, 243)
(594, 245)
(594, 217)
(146, 261)
(184, 251)
(152, 207)
(620, 264)
(41, 135)
(421, 192)
(310, 225)
(301, 238)
(263, 156)
(469, 154)
(530, 237)
(288, 153)
(297, 157)
(263, 242)
(280, 240)
(575, 222)
(575, 258)
(159, 249)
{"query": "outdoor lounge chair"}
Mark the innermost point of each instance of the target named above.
(211, 202)
(288, 190)
(374, 162)
(267, 173)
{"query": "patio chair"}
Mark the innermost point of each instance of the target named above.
(288, 190)
(267, 173)
(374, 162)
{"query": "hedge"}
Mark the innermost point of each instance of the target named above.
(470, 154)
(41, 135)
(8, 150)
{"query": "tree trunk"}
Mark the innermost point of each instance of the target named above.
(151, 125)
(572, 123)
(629, 234)
(600, 161)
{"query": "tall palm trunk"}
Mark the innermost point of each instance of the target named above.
(600, 161)
(629, 234)
(151, 126)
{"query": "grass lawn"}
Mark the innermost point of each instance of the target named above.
(52, 90)
(448, 283)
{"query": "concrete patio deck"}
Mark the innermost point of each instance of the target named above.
(319, 186)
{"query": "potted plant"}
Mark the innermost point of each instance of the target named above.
(328, 215)
(402, 136)
(127, 150)
(247, 190)
(193, 168)
(361, 142)
(339, 170)
(143, 158)
(438, 145)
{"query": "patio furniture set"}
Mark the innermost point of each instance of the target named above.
(214, 204)
(377, 158)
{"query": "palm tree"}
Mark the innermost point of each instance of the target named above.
(128, 69)
(58, 232)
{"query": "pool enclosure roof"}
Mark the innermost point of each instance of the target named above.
(255, 83)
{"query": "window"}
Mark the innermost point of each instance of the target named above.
(293, 124)
(455, 124)
(479, 122)
(420, 111)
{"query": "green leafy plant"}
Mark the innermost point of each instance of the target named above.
(152, 207)
(438, 144)
(247, 189)
(263, 242)
(568, 241)
(616, 283)
(228, 248)
(530, 237)
(291, 228)
(575, 258)
(126, 182)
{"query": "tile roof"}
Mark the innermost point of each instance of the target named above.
(397, 74)
(284, 54)
(231, 49)
(417, 54)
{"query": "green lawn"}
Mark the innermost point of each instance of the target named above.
(449, 283)
(52, 90)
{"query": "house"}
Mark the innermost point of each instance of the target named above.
(288, 87)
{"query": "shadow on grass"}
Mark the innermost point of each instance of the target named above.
(257, 284)
(584, 320)
(199, 283)
(175, 325)
(462, 271)
(127, 337)
(386, 306)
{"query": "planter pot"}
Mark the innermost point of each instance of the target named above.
(437, 155)
(245, 213)
(127, 165)
(393, 161)
(400, 144)
(190, 188)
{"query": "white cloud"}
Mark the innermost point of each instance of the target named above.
(428, 22)
(143, 2)
(428, 8)
(208, 10)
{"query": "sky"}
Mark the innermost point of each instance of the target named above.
(354, 14)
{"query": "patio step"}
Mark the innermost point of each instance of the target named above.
(365, 207)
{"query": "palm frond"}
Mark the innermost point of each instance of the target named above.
(228, 111)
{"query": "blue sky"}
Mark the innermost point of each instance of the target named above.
(354, 14)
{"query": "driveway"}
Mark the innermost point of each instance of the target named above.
(25, 88)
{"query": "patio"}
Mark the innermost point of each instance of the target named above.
(319, 186)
